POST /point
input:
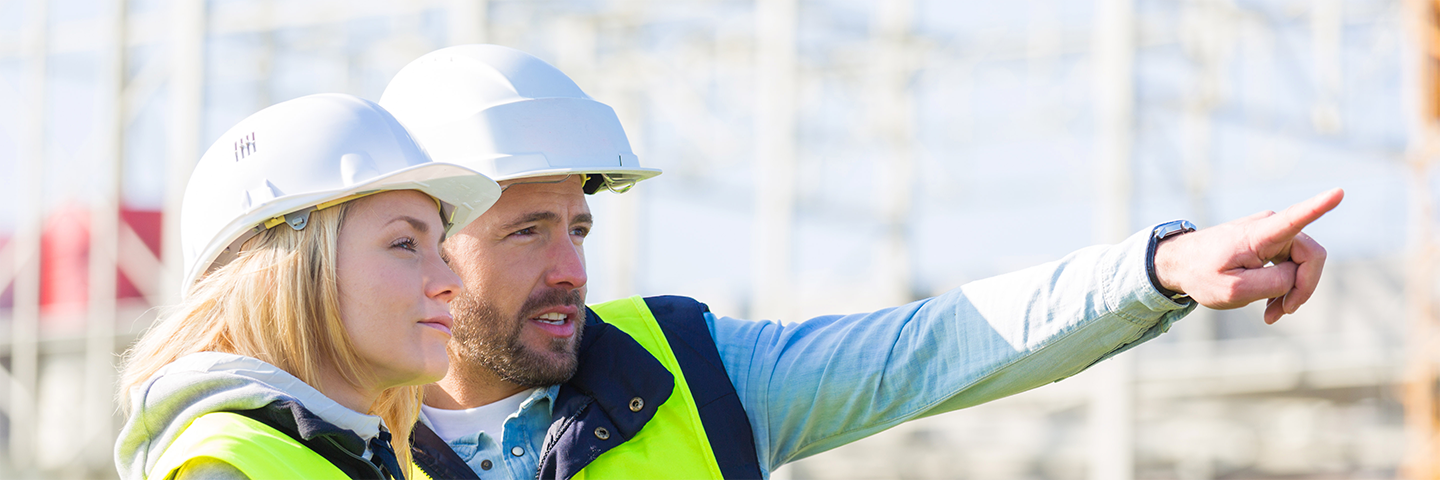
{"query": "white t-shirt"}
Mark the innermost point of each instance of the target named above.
(453, 424)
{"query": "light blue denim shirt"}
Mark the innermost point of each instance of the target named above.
(815, 385)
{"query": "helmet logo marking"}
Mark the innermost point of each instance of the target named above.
(244, 146)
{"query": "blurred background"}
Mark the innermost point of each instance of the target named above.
(820, 156)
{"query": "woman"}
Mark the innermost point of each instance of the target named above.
(316, 301)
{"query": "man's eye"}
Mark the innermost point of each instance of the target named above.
(581, 231)
(524, 231)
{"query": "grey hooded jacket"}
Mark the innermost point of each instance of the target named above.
(206, 382)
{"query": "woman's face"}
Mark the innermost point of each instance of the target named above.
(395, 290)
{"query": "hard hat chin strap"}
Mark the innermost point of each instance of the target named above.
(297, 220)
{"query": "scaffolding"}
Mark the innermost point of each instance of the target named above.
(781, 122)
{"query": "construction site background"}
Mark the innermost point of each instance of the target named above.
(820, 157)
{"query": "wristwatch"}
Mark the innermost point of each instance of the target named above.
(1161, 232)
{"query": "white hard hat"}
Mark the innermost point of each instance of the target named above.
(510, 115)
(295, 157)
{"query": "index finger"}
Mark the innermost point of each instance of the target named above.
(1290, 222)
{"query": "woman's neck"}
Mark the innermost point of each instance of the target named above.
(357, 398)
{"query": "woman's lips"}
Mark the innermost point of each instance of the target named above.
(438, 323)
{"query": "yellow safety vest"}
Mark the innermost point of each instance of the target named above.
(256, 449)
(673, 443)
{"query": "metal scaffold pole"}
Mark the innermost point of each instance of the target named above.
(187, 81)
(468, 21)
(24, 351)
(772, 269)
(104, 253)
(1111, 410)
(894, 112)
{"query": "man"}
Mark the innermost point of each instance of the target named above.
(661, 388)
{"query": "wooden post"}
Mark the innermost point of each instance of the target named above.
(1422, 456)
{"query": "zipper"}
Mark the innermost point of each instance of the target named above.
(356, 458)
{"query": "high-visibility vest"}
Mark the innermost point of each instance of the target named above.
(673, 444)
(256, 449)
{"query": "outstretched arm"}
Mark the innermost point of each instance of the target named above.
(812, 386)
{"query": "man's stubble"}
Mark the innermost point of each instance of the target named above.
(482, 338)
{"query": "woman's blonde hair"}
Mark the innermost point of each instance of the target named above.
(279, 302)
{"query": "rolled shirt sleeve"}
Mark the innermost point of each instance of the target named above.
(812, 386)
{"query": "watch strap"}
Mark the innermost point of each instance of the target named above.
(1162, 232)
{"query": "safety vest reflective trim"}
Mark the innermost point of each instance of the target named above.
(256, 449)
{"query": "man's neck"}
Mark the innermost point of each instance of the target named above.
(458, 391)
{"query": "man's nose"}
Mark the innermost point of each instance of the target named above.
(567, 269)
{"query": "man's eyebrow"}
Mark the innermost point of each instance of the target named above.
(532, 217)
(582, 218)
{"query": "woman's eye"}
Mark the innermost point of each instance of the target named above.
(407, 244)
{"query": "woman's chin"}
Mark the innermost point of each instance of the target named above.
(425, 377)
(422, 371)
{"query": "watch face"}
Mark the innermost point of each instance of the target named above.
(1169, 229)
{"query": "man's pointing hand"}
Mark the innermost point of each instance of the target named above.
(1262, 256)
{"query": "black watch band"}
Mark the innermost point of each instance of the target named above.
(1161, 232)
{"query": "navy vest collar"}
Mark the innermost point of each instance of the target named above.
(341, 447)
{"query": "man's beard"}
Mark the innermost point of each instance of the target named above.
(481, 336)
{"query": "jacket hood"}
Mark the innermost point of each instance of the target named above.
(207, 382)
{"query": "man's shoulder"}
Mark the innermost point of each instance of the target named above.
(667, 310)
(665, 302)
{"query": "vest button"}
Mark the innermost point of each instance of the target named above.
(485, 464)
(517, 451)
(602, 433)
(636, 404)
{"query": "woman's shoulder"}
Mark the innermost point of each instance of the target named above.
(250, 447)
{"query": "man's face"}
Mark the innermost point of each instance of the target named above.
(523, 262)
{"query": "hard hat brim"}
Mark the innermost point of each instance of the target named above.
(629, 173)
(470, 193)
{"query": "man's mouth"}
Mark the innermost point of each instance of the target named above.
(552, 318)
(557, 321)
